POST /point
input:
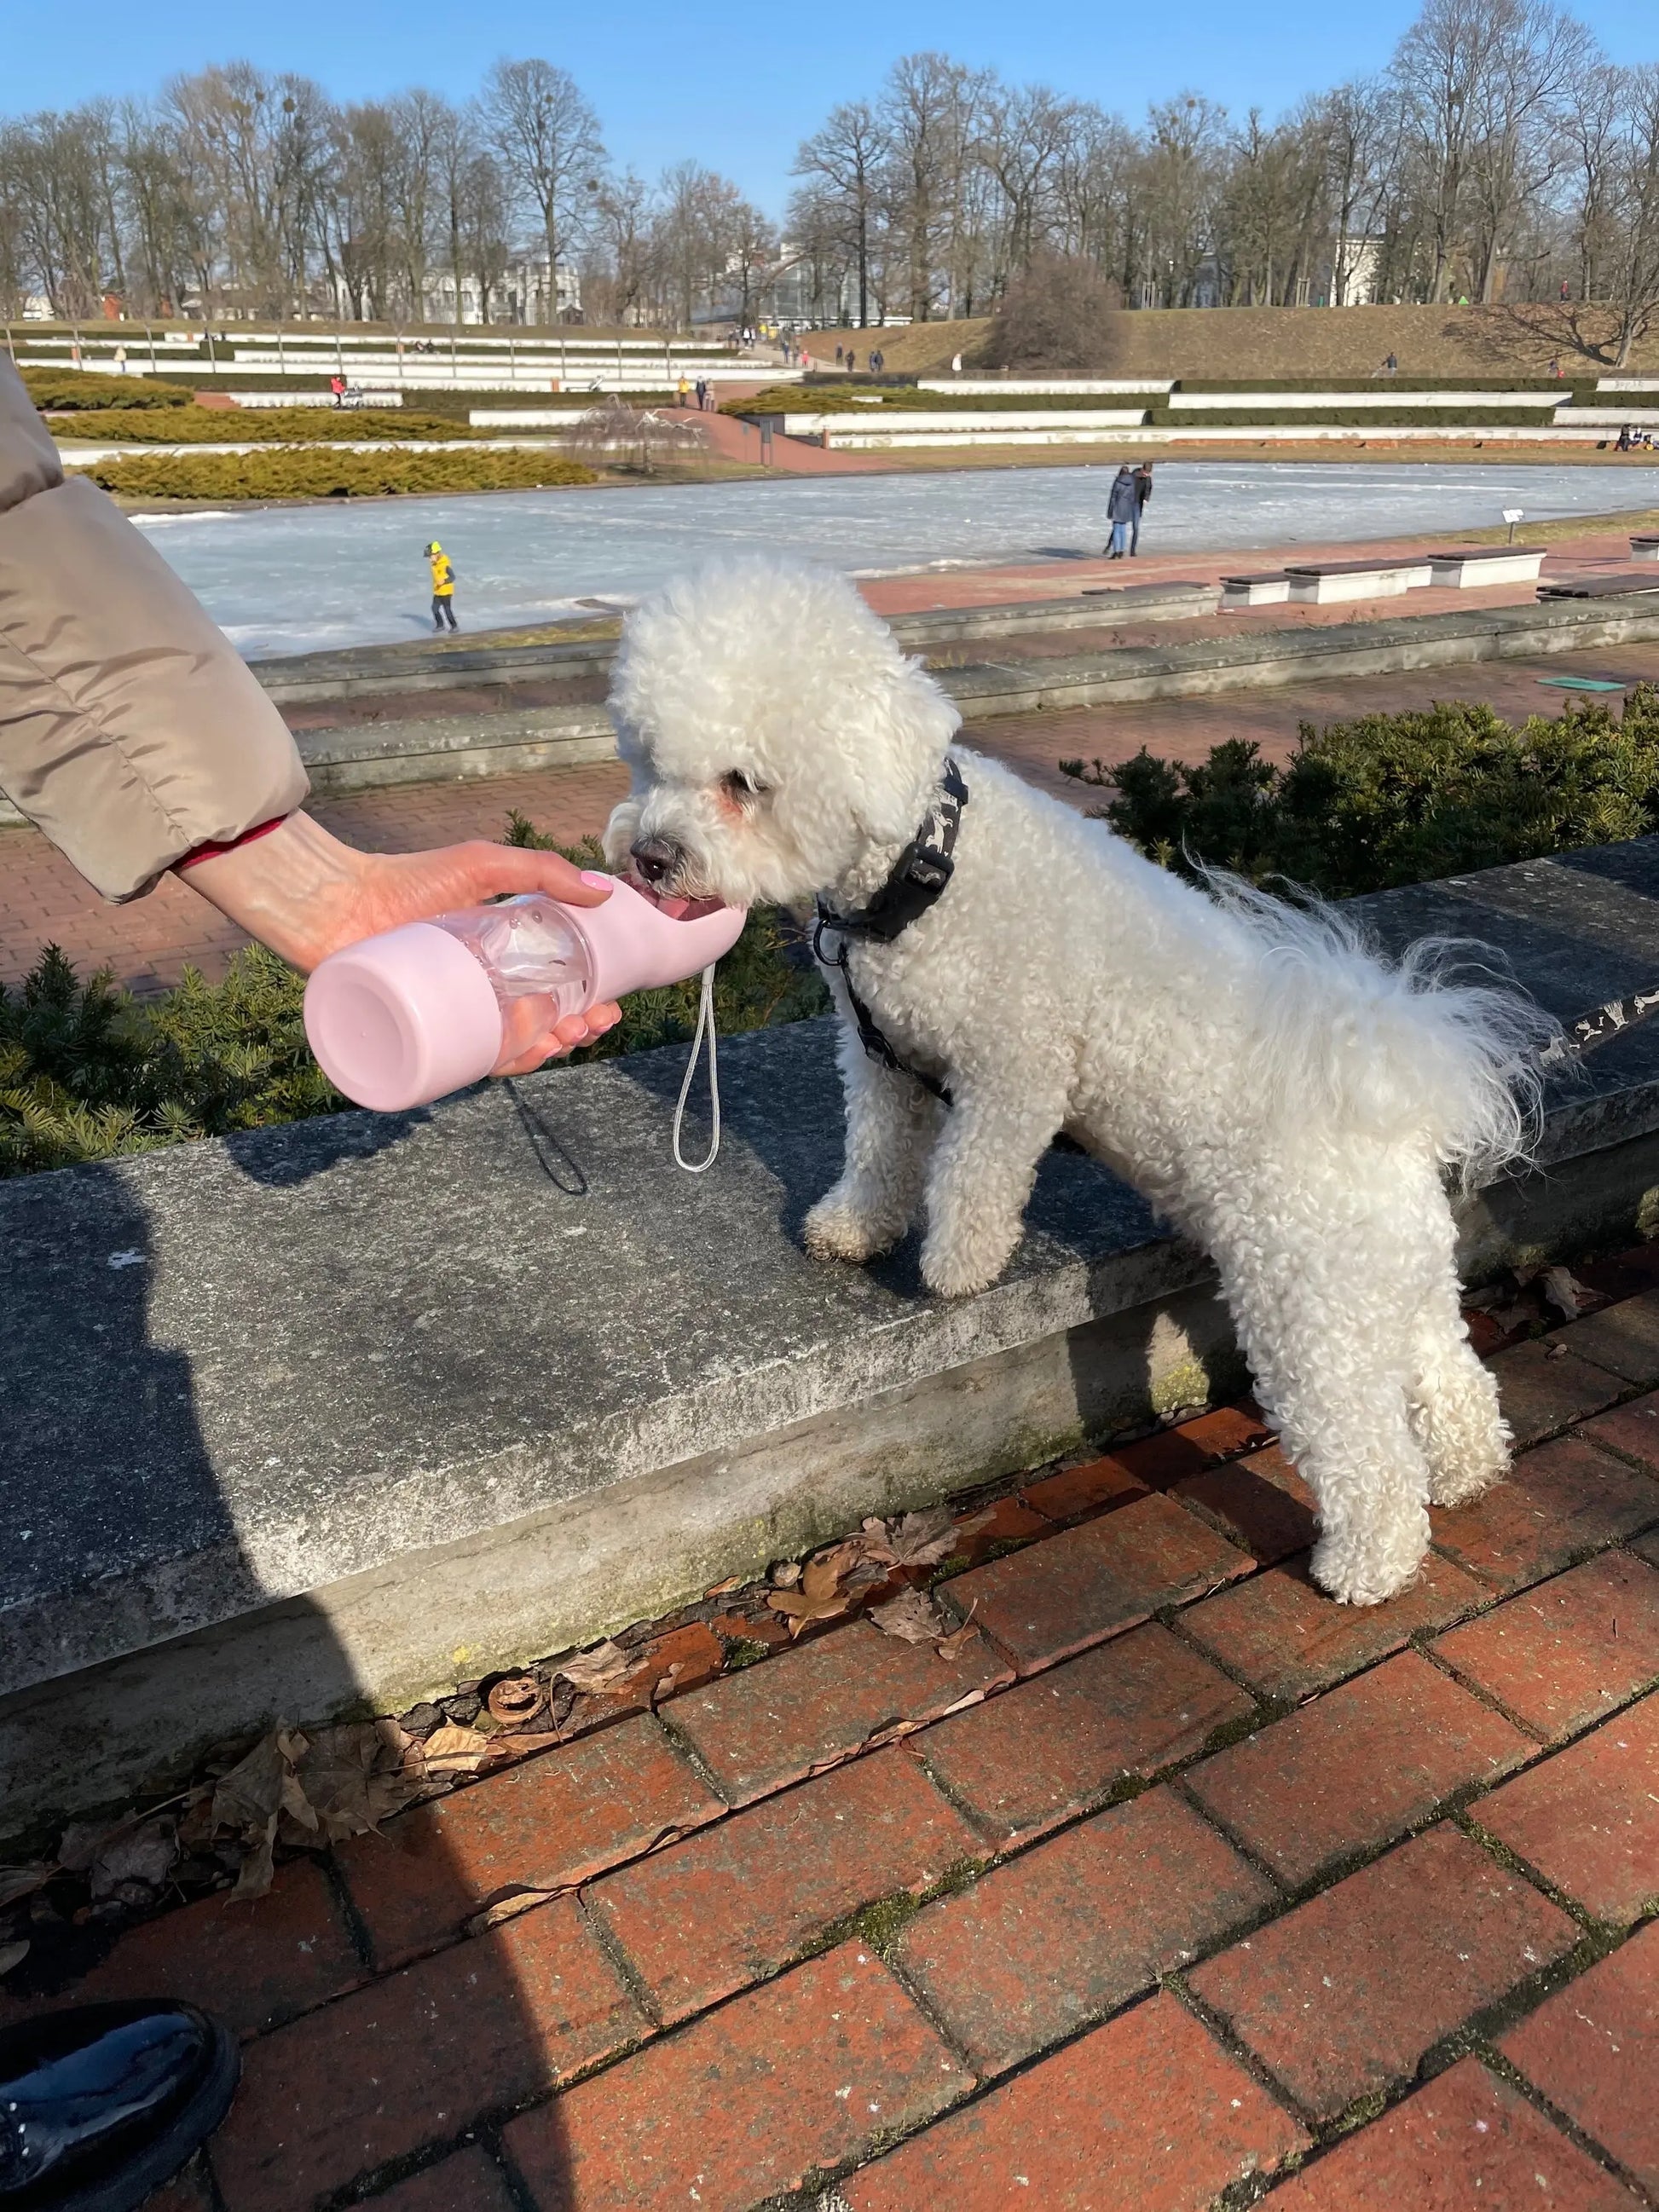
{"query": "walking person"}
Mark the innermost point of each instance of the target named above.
(443, 587)
(1121, 512)
(1143, 483)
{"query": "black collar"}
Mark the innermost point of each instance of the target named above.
(919, 879)
(920, 875)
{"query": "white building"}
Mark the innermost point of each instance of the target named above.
(520, 297)
(1354, 279)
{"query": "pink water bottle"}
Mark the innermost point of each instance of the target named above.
(424, 1010)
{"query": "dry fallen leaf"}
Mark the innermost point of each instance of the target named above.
(1564, 1292)
(912, 1616)
(916, 1540)
(602, 1668)
(81, 1842)
(353, 1777)
(820, 1596)
(951, 1647)
(451, 1750)
(723, 1589)
(508, 1908)
(251, 1800)
(146, 1853)
(17, 1882)
(13, 1954)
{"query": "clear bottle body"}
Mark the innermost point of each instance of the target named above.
(536, 961)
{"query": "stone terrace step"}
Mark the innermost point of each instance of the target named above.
(368, 1402)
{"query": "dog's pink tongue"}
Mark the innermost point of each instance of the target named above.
(674, 908)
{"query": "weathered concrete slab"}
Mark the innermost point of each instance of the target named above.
(359, 1408)
(1262, 659)
(444, 748)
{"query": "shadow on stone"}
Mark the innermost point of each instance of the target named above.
(90, 1388)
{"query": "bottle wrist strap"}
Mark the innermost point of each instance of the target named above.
(706, 1030)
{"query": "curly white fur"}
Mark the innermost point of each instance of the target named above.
(1282, 1094)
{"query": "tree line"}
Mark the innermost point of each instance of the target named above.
(1500, 155)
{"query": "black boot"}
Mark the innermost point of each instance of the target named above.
(100, 2104)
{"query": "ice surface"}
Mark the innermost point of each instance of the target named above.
(299, 579)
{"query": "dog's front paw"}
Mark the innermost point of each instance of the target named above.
(1357, 1572)
(955, 1263)
(955, 1274)
(836, 1230)
(1458, 1485)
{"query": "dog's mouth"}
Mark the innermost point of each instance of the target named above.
(674, 904)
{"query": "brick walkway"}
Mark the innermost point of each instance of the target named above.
(1179, 1875)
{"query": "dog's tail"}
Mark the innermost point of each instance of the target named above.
(1438, 1044)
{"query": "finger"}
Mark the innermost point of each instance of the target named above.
(500, 868)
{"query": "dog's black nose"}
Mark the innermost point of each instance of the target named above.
(654, 857)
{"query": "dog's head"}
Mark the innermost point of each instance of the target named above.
(781, 745)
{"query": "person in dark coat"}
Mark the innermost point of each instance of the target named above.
(1121, 511)
(1143, 481)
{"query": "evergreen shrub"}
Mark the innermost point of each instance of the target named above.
(313, 472)
(75, 389)
(1396, 798)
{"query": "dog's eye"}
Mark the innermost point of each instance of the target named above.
(737, 785)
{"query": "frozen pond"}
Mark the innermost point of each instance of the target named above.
(299, 579)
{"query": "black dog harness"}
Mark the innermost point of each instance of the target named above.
(920, 877)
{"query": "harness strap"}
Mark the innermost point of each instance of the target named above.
(920, 877)
(1603, 1022)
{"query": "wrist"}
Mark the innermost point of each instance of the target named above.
(288, 883)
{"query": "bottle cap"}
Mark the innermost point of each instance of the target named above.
(403, 1018)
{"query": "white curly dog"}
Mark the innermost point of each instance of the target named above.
(1284, 1097)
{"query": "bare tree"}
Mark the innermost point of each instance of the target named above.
(1626, 251)
(619, 280)
(548, 140)
(922, 114)
(845, 160)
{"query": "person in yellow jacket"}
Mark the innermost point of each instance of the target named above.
(443, 587)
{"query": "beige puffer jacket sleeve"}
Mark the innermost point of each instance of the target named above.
(131, 730)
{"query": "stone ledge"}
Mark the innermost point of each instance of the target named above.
(345, 1410)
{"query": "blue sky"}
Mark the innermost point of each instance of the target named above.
(670, 81)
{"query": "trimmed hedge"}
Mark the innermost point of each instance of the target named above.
(1397, 799)
(271, 426)
(71, 390)
(1561, 387)
(313, 472)
(1345, 418)
(837, 400)
(87, 1072)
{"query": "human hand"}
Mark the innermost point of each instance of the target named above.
(305, 893)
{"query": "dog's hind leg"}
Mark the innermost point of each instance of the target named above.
(981, 1177)
(1453, 1398)
(889, 1125)
(1327, 1325)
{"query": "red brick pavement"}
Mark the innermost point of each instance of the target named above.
(1358, 1903)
